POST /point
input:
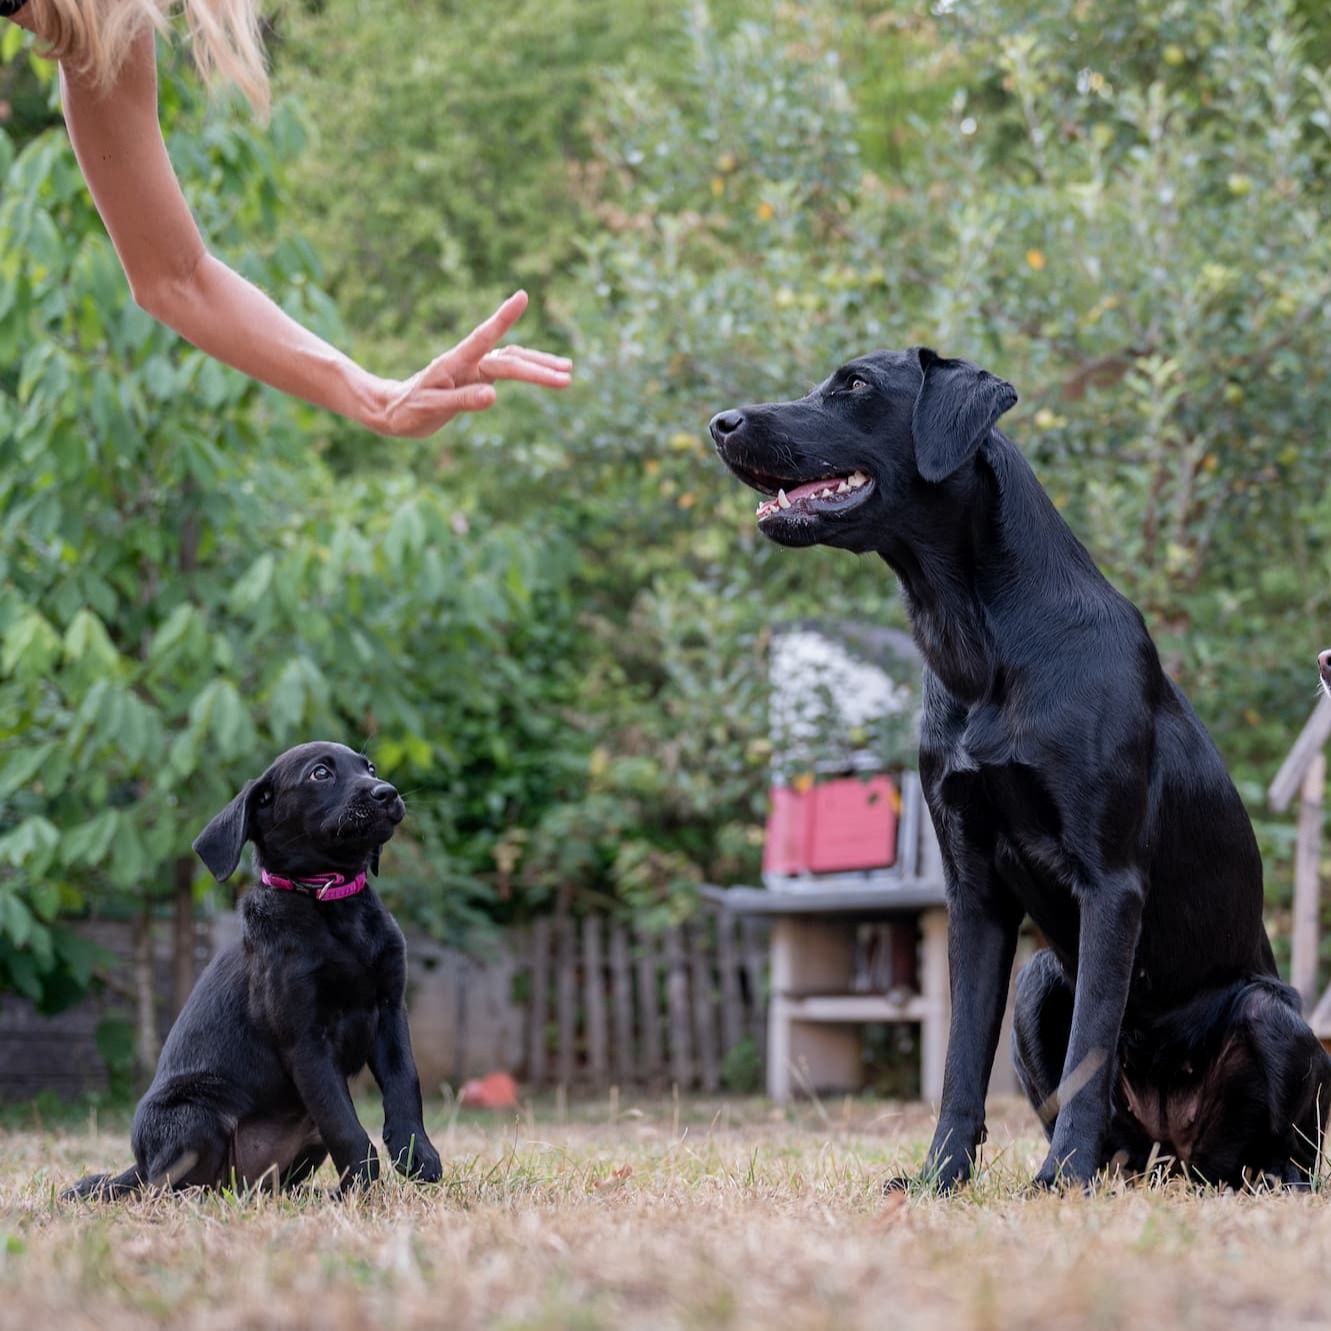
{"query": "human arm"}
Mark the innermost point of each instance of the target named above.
(118, 142)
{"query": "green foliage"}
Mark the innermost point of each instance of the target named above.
(553, 628)
(186, 589)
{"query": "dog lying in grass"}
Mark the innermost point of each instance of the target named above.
(1069, 780)
(251, 1086)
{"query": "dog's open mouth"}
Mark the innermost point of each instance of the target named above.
(826, 495)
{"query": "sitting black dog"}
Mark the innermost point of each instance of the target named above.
(1068, 779)
(251, 1087)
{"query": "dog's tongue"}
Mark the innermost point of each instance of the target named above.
(811, 488)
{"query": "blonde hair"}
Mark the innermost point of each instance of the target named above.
(96, 35)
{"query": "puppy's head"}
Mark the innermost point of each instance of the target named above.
(319, 808)
(843, 462)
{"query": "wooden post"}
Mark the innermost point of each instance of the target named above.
(621, 990)
(754, 951)
(540, 1000)
(183, 941)
(593, 988)
(732, 1013)
(810, 955)
(1307, 888)
(677, 1004)
(146, 1044)
(566, 1002)
(934, 983)
(704, 1013)
(649, 1010)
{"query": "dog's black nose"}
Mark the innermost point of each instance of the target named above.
(724, 424)
(1324, 663)
(384, 793)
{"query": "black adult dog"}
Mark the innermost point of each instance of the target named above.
(1068, 779)
(251, 1087)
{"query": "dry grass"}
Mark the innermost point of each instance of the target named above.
(737, 1216)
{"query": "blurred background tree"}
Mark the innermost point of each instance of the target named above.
(551, 623)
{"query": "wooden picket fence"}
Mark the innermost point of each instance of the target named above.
(582, 1004)
(610, 1006)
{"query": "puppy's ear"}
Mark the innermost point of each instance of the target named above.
(220, 843)
(955, 409)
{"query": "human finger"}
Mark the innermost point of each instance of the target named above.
(484, 337)
(525, 371)
(540, 357)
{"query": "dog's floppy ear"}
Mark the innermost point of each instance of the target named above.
(220, 843)
(955, 409)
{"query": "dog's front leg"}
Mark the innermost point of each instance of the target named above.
(1111, 911)
(982, 933)
(395, 1071)
(323, 1089)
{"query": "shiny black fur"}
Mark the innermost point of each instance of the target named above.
(251, 1086)
(1069, 780)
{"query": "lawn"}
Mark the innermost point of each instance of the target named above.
(625, 1215)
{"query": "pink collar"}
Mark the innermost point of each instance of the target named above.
(321, 886)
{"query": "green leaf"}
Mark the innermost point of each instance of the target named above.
(16, 920)
(253, 585)
(286, 703)
(86, 637)
(22, 765)
(31, 647)
(88, 842)
(30, 843)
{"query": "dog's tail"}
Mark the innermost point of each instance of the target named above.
(104, 1187)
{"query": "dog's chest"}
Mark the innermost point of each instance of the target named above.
(347, 987)
(1003, 814)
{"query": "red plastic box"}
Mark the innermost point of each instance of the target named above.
(841, 826)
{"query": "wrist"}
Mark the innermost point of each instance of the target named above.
(371, 398)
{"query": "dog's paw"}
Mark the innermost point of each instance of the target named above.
(362, 1174)
(413, 1156)
(928, 1182)
(431, 1167)
(92, 1188)
(1061, 1176)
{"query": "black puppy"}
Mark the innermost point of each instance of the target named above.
(1068, 779)
(251, 1086)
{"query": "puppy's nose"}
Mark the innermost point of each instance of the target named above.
(384, 793)
(724, 424)
(1324, 663)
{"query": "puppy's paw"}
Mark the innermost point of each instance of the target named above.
(91, 1188)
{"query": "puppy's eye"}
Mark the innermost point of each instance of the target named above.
(857, 383)
(321, 773)
(369, 767)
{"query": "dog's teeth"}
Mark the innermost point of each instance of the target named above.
(827, 493)
(858, 478)
(843, 488)
(781, 499)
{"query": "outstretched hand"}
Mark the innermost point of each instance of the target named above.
(464, 378)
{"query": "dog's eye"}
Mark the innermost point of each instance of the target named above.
(321, 773)
(857, 383)
(369, 767)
